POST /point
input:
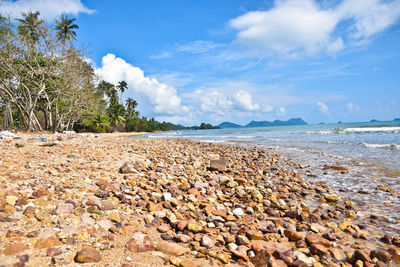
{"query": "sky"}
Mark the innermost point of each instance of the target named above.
(189, 61)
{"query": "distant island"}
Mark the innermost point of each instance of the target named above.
(293, 121)
(396, 119)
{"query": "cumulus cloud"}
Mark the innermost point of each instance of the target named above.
(163, 97)
(323, 108)
(48, 9)
(267, 108)
(304, 27)
(243, 101)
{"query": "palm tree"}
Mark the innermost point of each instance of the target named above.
(131, 105)
(31, 27)
(122, 86)
(116, 113)
(65, 30)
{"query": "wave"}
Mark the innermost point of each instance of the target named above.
(371, 129)
(356, 130)
(383, 146)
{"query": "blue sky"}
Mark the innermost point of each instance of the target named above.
(228, 60)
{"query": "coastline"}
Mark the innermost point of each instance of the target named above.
(70, 194)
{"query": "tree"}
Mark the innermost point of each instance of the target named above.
(31, 27)
(131, 106)
(122, 86)
(116, 113)
(65, 30)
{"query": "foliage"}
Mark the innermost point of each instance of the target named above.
(46, 83)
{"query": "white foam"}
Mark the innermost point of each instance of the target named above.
(384, 146)
(371, 129)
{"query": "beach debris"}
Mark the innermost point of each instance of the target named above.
(336, 168)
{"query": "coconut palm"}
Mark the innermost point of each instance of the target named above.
(122, 86)
(31, 26)
(131, 105)
(65, 29)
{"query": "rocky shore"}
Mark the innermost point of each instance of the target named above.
(106, 200)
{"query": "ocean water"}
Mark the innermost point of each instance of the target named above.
(371, 150)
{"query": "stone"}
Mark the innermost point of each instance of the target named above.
(114, 217)
(106, 224)
(362, 255)
(238, 212)
(52, 252)
(319, 250)
(312, 239)
(175, 260)
(293, 235)
(11, 200)
(186, 262)
(206, 242)
(107, 204)
(381, 255)
(218, 165)
(240, 255)
(127, 168)
(87, 255)
(15, 249)
(140, 242)
(64, 209)
(195, 228)
(48, 242)
(170, 248)
(261, 258)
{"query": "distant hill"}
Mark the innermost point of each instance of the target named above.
(227, 124)
(293, 121)
(396, 119)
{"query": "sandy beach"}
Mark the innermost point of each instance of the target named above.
(107, 200)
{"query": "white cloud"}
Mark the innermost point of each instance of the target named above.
(302, 27)
(267, 108)
(281, 111)
(164, 98)
(243, 101)
(198, 47)
(323, 108)
(352, 107)
(48, 9)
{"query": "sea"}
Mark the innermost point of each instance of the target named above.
(371, 151)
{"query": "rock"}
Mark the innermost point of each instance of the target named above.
(171, 248)
(140, 242)
(107, 204)
(261, 258)
(293, 235)
(319, 250)
(114, 217)
(238, 212)
(175, 260)
(64, 209)
(127, 168)
(331, 198)
(381, 255)
(336, 168)
(195, 228)
(47, 242)
(240, 254)
(163, 228)
(87, 255)
(218, 165)
(206, 242)
(182, 238)
(362, 255)
(11, 200)
(186, 262)
(51, 252)
(15, 249)
(94, 210)
(105, 224)
(311, 239)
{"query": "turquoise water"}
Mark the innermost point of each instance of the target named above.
(370, 142)
(371, 150)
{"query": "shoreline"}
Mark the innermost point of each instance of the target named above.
(73, 195)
